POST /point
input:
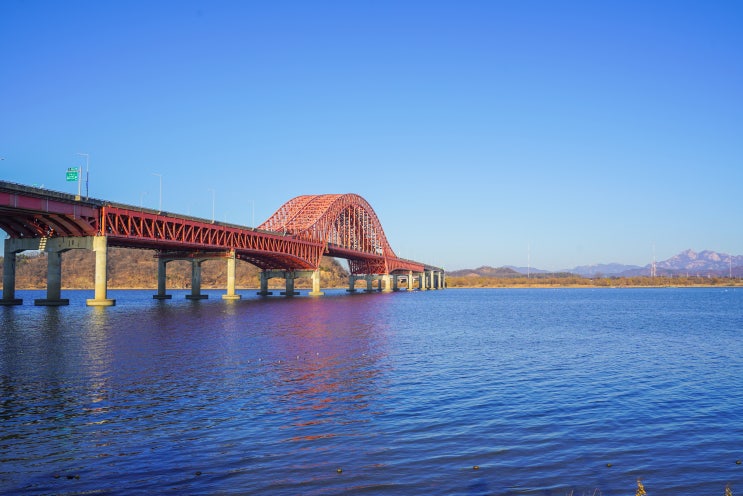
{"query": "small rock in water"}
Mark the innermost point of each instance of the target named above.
(608, 464)
(339, 470)
(738, 462)
(198, 472)
(476, 467)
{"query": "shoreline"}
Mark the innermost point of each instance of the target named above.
(738, 284)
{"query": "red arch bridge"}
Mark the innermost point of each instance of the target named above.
(290, 244)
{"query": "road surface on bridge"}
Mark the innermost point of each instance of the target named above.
(289, 244)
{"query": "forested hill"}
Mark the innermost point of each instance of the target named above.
(129, 268)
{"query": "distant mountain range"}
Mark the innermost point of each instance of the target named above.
(689, 262)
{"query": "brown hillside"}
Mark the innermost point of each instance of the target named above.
(128, 268)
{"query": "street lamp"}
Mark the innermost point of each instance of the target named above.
(213, 192)
(87, 173)
(160, 206)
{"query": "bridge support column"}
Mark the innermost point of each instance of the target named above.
(100, 247)
(316, 284)
(386, 283)
(53, 281)
(196, 281)
(351, 283)
(423, 283)
(394, 283)
(289, 277)
(264, 284)
(9, 276)
(369, 283)
(161, 278)
(410, 281)
(443, 280)
(231, 295)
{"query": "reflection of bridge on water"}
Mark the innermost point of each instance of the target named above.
(289, 245)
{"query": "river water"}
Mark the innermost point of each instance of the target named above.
(493, 391)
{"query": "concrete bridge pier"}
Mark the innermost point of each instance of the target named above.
(53, 282)
(161, 278)
(369, 283)
(288, 275)
(394, 283)
(196, 281)
(231, 262)
(316, 284)
(9, 276)
(410, 280)
(423, 281)
(264, 275)
(54, 247)
(385, 283)
(351, 283)
(100, 299)
(289, 278)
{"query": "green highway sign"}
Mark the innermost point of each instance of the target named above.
(72, 174)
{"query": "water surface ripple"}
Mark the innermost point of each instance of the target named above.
(547, 391)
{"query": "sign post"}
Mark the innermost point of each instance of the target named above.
(73, 174)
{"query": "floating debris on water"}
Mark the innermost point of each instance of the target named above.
(640, 489)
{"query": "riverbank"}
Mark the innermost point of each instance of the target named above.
(580, 282)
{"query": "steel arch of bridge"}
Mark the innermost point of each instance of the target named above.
(346, 226)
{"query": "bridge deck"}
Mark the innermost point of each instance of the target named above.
(29, 212)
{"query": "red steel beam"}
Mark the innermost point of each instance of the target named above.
(303, 230)
(138, 229)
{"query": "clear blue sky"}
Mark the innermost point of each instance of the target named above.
(587, 131)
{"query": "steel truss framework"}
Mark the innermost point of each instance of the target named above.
(294, 238)
(347, 227)
(131, 228)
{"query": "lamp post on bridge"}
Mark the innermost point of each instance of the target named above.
(160, 205)
(213, 193)
(87, 174)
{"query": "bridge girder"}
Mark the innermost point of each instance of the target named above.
(295, 237)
